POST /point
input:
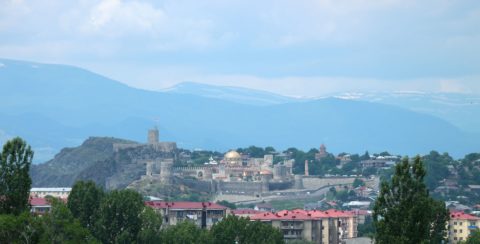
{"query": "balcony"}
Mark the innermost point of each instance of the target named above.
(292, 227)
(292, 236)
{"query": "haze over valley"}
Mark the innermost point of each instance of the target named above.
(56, 106)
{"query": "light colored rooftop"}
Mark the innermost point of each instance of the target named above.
(51, 189)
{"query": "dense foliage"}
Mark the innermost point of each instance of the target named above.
(93, 216)
(233, 229)
(84, 201)
(474, 238)
(15, 182)
(404, 212)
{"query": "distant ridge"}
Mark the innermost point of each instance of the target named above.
(230, 93)
(54, 106)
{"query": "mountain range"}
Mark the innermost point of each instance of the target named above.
(55, 106)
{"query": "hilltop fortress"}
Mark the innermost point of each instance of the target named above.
(233, 174)
(155, 168)
(153, 141)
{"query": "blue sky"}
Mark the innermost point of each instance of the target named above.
(300, 48)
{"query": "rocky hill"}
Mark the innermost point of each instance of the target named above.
(95, 160)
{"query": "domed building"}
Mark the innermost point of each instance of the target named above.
(233, 158)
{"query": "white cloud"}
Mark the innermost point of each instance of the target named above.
(117, 18)
(303, 43)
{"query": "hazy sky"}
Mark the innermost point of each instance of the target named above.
(302, 48)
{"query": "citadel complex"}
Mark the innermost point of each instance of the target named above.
(234, 174)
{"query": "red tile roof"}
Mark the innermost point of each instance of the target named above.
(41, 201)
(287, 215)
(38, 201)
(463, 216)
(185, 205)
(301, 214)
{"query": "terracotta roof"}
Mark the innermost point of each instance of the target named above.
(462, 215)
(38, 201)
(301, 214)
(287, 215)
(184, 205)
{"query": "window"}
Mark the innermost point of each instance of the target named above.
(461, 231)
(460, 223)
(455, 231)
(454, 223)
(455, 238)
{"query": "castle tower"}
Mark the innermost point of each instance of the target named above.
(149, 169)
(264, 186)
(298, 182)
(208, 173)
(323, 150)
(166, 171)
(279, 172)
(306, 168)
(321, 153)
(153, 137)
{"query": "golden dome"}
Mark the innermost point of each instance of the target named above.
(265, 172)
(232, 155)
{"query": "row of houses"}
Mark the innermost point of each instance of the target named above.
(330, 226)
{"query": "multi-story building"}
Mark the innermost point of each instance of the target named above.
(203, 214)
(331, 226)
(245, 212)
(375, 163)
(294, 225)
(39, 206)
(58, 192)
(461, 225)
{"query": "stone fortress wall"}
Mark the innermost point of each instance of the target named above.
(232, 175)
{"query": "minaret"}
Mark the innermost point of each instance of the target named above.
(306, 167)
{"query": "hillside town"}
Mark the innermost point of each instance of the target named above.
(275, 189)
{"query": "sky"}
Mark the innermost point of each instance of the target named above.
(297, 48)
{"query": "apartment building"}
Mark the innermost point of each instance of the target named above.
(331, 226)
(203, 214)
(461, 225)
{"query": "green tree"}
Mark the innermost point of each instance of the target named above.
(23, 228)
(369, 171)
(404, 212)
(84, 201)
(258, 232)
(365, 156)
(15, 182)
(151, 226)
(185, 232)
(366, 229)
(59, 226)
(119, 217)
(227, 204)
(357, 182)
(474, 238)
(270, 150)
(233, 229)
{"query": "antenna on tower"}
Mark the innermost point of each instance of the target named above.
(157, 121)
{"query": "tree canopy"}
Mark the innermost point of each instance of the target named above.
(404, 212)
(15, 181)
(233, 229)
(119, 216)
(84, 201)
